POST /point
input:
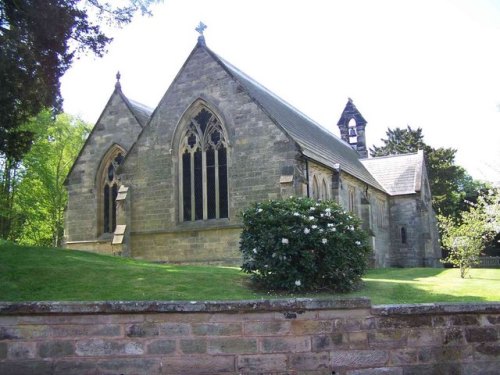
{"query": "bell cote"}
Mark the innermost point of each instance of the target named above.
(352, 128)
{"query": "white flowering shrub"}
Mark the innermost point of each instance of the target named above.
(300, 244)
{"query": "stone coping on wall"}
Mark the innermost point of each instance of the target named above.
(437, 308)
(128, 307)
(245, 306)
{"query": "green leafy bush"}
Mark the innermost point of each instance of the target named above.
(300, 244)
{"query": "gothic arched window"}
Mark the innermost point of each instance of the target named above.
(315, 189)
(203, 169)
(324, 190)
(108, 190)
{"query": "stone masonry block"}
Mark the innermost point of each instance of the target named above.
(136, 366)
(435, 369)
(26, 368)
(273, 328)
(3, 350)
(359, 324)
(147, 329)
(55, 349)
(10, 333)
(100, 347)
(262, 363)
(311, 327)
(286, 344)
(482, 368)
(413, 321)
(217, 329)
(310, 361)
(175, 329)
(75, 367)
(445, 354)
(377, 371)
(359, 358)
(464, 320)
(232, 345)
(328, 342)
(424, 337)
(493, 319)
(199, 364)
(407, 356)
(358, 340)
(193, 346)
(488, 351)
(161, 347)
(453, 336)
(21, 350)
(481, 334)
(72, 331)
(388, 338)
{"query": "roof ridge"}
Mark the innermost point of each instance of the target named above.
(391, 156)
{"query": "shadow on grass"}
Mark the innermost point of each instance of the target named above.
(408, 274)
(400, 292)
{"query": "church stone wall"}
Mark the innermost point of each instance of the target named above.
(408, 251)
(320, 172)
(115, 126)
(372, 207)
(257, 154)
(380, 227)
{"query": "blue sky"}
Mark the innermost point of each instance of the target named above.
(433, 64)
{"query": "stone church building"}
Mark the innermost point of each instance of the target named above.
(168, 184)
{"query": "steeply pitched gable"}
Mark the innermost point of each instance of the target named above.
(140, 113)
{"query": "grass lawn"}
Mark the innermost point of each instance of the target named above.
(45, 274)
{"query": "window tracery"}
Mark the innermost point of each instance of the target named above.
(203, 167)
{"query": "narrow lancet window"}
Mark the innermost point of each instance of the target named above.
(203, 177)
(109, 192)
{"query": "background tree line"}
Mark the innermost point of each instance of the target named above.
(38, 42)
(468, 211)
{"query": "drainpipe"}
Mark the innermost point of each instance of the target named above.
(307, 177)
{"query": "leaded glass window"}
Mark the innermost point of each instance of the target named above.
(203, 167)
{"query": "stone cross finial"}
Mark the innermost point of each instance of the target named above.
(117, 84)
(201, 28)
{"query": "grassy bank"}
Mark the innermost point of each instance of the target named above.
(43, 274)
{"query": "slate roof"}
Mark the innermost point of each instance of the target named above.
(141, 112)
(315, 141)
(398, 174)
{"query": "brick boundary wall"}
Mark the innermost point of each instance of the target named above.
(295, 336)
